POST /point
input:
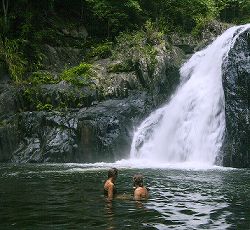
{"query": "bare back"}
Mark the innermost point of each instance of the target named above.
(140, 193)
(109, 188)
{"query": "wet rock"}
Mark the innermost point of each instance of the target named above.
(166, 75)
(44, 137)
(187, 43)
(98, 133)
(8, 100)
(105, 132)
(190, 43)
(162, 80)
(236, 83)
(9, 139)
(28, 151)
(113, 84)
(4, 77)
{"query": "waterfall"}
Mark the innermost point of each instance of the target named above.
(190, 127)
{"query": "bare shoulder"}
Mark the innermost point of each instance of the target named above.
(141, 193)
(108, 185)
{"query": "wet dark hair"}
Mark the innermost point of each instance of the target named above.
(113, 172)
(138, 180)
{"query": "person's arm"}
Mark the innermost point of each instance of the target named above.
(111, 191)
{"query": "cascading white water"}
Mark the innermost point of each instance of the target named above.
(190, 127)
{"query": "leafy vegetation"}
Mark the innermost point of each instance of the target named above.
(12, 57)
(233, 11)
(42, 77)
(47, 107)
(37, 98)
(100, 50)
(125, 66)
(78, 75)
(27, 25)
(112, 15)
(132, 47)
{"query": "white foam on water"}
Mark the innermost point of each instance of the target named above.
(135, 164)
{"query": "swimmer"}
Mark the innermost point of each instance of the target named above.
(140, 192)
(109, 185)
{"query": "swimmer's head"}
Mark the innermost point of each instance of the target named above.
(138, 180)
(113, 172)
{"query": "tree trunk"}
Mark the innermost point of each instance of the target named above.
(82, 11)
(5, 4)
(51, 6)
(108, 29)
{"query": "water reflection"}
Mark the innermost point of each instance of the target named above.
(109, 214)
(139, 204)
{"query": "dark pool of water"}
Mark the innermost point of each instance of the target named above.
(71, 197)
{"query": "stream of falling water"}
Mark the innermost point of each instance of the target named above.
(190, 128)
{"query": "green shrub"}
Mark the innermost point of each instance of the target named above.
(140, 45)
(78, 75)
(12, 56)
(102, 50)
(47, 36)
(201, 24)
(30, 96)
(47, 107)
(40, 77)
(3, 123)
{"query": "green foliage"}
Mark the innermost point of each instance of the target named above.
(30, 95)
(140, 45)
(179, 14)
(101, 50)
(12, 56)
(32, 98)
(236, 11)
(41, 77)
(115, 15)
(46, 107)
(35, 98)
(26, 25)
(47, 36)
(125, 66)
(201, 23)
(78, 75)
(3, 123)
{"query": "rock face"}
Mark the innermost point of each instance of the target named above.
(98, 133)
(236, 83)
(56, 58)
(9, 140)
(100, 129)
(7, 100)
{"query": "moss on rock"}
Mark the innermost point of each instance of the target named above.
(78, 75)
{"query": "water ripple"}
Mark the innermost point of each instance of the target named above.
(71, 197)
